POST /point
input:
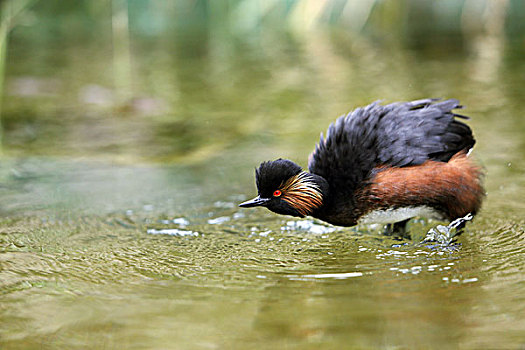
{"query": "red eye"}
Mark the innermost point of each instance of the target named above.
(277, 193)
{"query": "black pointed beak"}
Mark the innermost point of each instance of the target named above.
(256, 202)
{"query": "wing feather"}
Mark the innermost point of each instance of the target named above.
(399, 134)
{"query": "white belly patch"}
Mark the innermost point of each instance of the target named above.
(394, 215)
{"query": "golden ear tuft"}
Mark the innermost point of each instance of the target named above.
(302, 193)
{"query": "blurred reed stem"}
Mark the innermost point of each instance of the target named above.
(121, 51)
(9, 10)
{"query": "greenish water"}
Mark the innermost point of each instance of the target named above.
(119, 223)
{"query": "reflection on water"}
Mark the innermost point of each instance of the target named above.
(119, 223)
(172, 267)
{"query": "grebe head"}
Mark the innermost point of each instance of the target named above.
(285, 188)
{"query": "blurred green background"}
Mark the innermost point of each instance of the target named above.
(187, 81)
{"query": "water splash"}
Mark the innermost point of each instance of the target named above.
(219, 220)
(307, 225)
(446, 235)
(172, 232)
